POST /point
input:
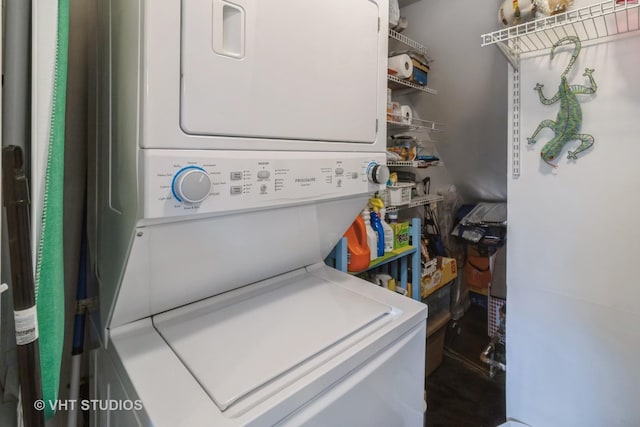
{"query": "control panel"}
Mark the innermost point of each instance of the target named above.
(187, 182)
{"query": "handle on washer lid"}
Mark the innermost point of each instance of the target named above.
(228, 29)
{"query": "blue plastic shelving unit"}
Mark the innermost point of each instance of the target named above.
(396, 262)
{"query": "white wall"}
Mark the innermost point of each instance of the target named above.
(572, 331)
(472, 92)
(572, 335)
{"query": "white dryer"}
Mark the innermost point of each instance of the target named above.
(235, 143)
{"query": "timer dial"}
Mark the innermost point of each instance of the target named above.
(377, 173)
(191, 185)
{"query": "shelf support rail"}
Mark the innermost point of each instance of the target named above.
(515, 117)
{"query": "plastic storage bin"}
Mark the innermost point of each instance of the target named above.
(439, 302)
(436, 331)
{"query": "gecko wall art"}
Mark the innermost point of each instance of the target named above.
(567, 125)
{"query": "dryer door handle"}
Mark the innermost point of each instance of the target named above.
(228, 29)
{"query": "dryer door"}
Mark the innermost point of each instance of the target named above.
(281, 69)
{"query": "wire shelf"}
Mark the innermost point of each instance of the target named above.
(401, 124)
(592, 22)
(401, 42)
(416, 202)
(396, 82)
(414, 163)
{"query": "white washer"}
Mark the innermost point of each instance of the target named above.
(316, 347)
(235, 143)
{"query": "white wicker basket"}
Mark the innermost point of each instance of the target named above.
(398, 194)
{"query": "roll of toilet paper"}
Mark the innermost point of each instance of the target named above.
(402, 65)
(406, 113)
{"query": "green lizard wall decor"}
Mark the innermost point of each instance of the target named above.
(569, 120)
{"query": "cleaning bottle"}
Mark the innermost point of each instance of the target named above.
(393, 223)
(359, 254)
(377, 226)
(393, 217)
(388, 232)
(372, 236)
(378, 206)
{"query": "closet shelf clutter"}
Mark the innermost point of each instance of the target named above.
(597, 21)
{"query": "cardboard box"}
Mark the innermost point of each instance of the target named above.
(420, 72)
(436, 331)
(477, 269)
(479, 291)
(446, 271)
(449, 269)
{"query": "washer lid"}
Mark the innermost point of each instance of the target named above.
(234, 348)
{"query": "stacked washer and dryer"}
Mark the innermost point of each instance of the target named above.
(236, 141)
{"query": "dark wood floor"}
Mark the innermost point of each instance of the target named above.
(460, 392)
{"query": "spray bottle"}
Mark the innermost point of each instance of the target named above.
(377, 226)
(378, 206)
(372, 236)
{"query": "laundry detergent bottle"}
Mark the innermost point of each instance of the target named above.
(376, 224)
(372, 236)
(378, 206)
(358, 252)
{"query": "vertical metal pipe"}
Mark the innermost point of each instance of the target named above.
(16, 96)
(16, 118)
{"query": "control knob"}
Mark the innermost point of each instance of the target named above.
(191, 185)
(377, 173)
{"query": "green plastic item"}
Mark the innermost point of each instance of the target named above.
(50, 260)
(400, 235)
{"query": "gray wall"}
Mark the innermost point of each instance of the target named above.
(472, 92)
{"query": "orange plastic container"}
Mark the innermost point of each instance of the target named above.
(357, 247)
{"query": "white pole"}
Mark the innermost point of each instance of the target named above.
(72, 415)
